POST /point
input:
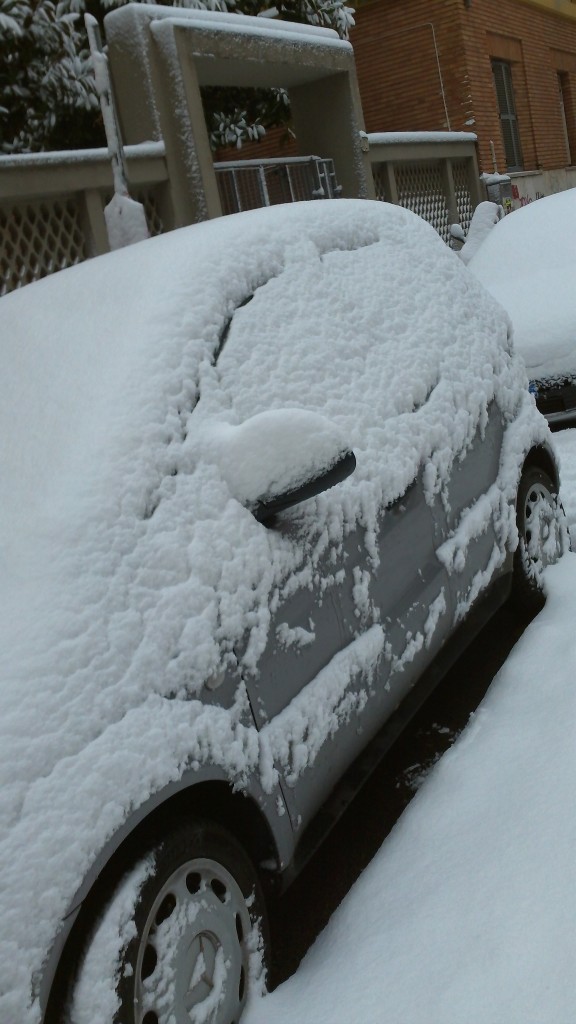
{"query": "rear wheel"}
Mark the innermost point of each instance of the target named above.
(542, 535)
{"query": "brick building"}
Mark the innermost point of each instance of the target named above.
(504, 69)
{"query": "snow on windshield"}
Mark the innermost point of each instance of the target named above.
(129, 568)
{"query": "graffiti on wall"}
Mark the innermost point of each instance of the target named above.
(525, 200)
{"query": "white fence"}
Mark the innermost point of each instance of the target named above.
(433, 173)
(51, 204)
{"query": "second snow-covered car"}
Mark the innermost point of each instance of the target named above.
(256, 477)
(528, 262)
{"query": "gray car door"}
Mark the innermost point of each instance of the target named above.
(343, 652)
(365, 611)
(474, 550)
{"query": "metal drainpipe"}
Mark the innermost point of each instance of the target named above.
(440, 75)
(430, 25)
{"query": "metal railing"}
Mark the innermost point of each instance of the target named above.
(250, 184)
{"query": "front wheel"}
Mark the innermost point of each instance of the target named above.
(542, 535)
(196, 934)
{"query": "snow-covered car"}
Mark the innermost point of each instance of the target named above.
(256, 474)
(528, 262)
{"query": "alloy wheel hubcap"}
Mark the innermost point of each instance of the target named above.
(540, 534)
(192, 960)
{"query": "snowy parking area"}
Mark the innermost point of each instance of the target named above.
(467, 915)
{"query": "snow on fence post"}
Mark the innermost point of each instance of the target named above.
(125, 218)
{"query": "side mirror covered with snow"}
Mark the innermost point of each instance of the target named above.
(266, 508)
(278, 458)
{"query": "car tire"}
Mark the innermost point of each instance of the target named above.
(199, 933)
(541, 532)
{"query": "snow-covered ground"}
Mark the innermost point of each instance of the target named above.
(467, 915)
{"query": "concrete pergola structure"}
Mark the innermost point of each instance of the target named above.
(160, 57)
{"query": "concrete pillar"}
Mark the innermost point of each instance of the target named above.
(160, 57)
(181, 118)
(328, 120)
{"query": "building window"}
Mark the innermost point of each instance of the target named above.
(509, 122)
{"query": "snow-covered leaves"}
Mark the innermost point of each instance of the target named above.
(44, 71)
(231, 128)
(327, 13)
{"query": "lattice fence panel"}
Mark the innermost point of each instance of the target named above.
(421, 189)
(39, 237)
(150, 199)
(462, 189)
(379, 182)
